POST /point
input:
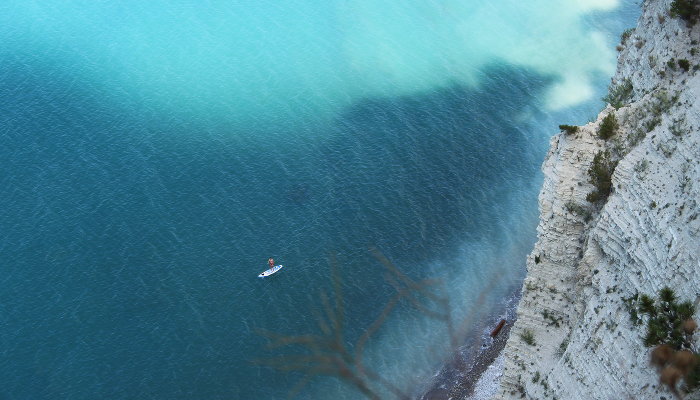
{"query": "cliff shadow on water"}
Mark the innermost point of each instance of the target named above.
(446, 159)
(418, 177)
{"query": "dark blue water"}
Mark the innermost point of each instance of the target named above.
(132, 230)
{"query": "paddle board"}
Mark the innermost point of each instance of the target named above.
(270, 271)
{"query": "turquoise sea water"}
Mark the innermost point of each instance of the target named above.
(155, 154)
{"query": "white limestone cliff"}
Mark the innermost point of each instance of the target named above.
(646, 236)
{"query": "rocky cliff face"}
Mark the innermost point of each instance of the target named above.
(573, 337)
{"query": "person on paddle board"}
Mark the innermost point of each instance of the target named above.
(271, 262)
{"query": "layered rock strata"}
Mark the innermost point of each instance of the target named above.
(573, 338)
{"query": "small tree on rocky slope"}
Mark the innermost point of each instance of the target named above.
(688, 10)
(671, 330)
(600, 174)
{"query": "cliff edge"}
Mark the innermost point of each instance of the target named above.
(573, 338)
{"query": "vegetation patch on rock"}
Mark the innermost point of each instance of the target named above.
(619, 94)
(688, 10)
(608, 127)
(569, 129)
(600, 174)
(670, 330)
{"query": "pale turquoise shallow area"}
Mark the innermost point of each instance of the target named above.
(155, 154)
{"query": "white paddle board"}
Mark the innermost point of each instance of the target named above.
(270, 271)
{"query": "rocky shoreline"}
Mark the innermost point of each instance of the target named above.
(459, 377)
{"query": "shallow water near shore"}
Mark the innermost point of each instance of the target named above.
(155, 155)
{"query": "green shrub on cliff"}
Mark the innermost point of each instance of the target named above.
(600, 174)
(569, 129)
(578, 209)
(671, 331)
(671, 64)
(619, 94)
(665, 319)
(688, 10)
(608, 127)
(528, 337)
(626, 35)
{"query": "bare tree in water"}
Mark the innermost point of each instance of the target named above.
(326, 353)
